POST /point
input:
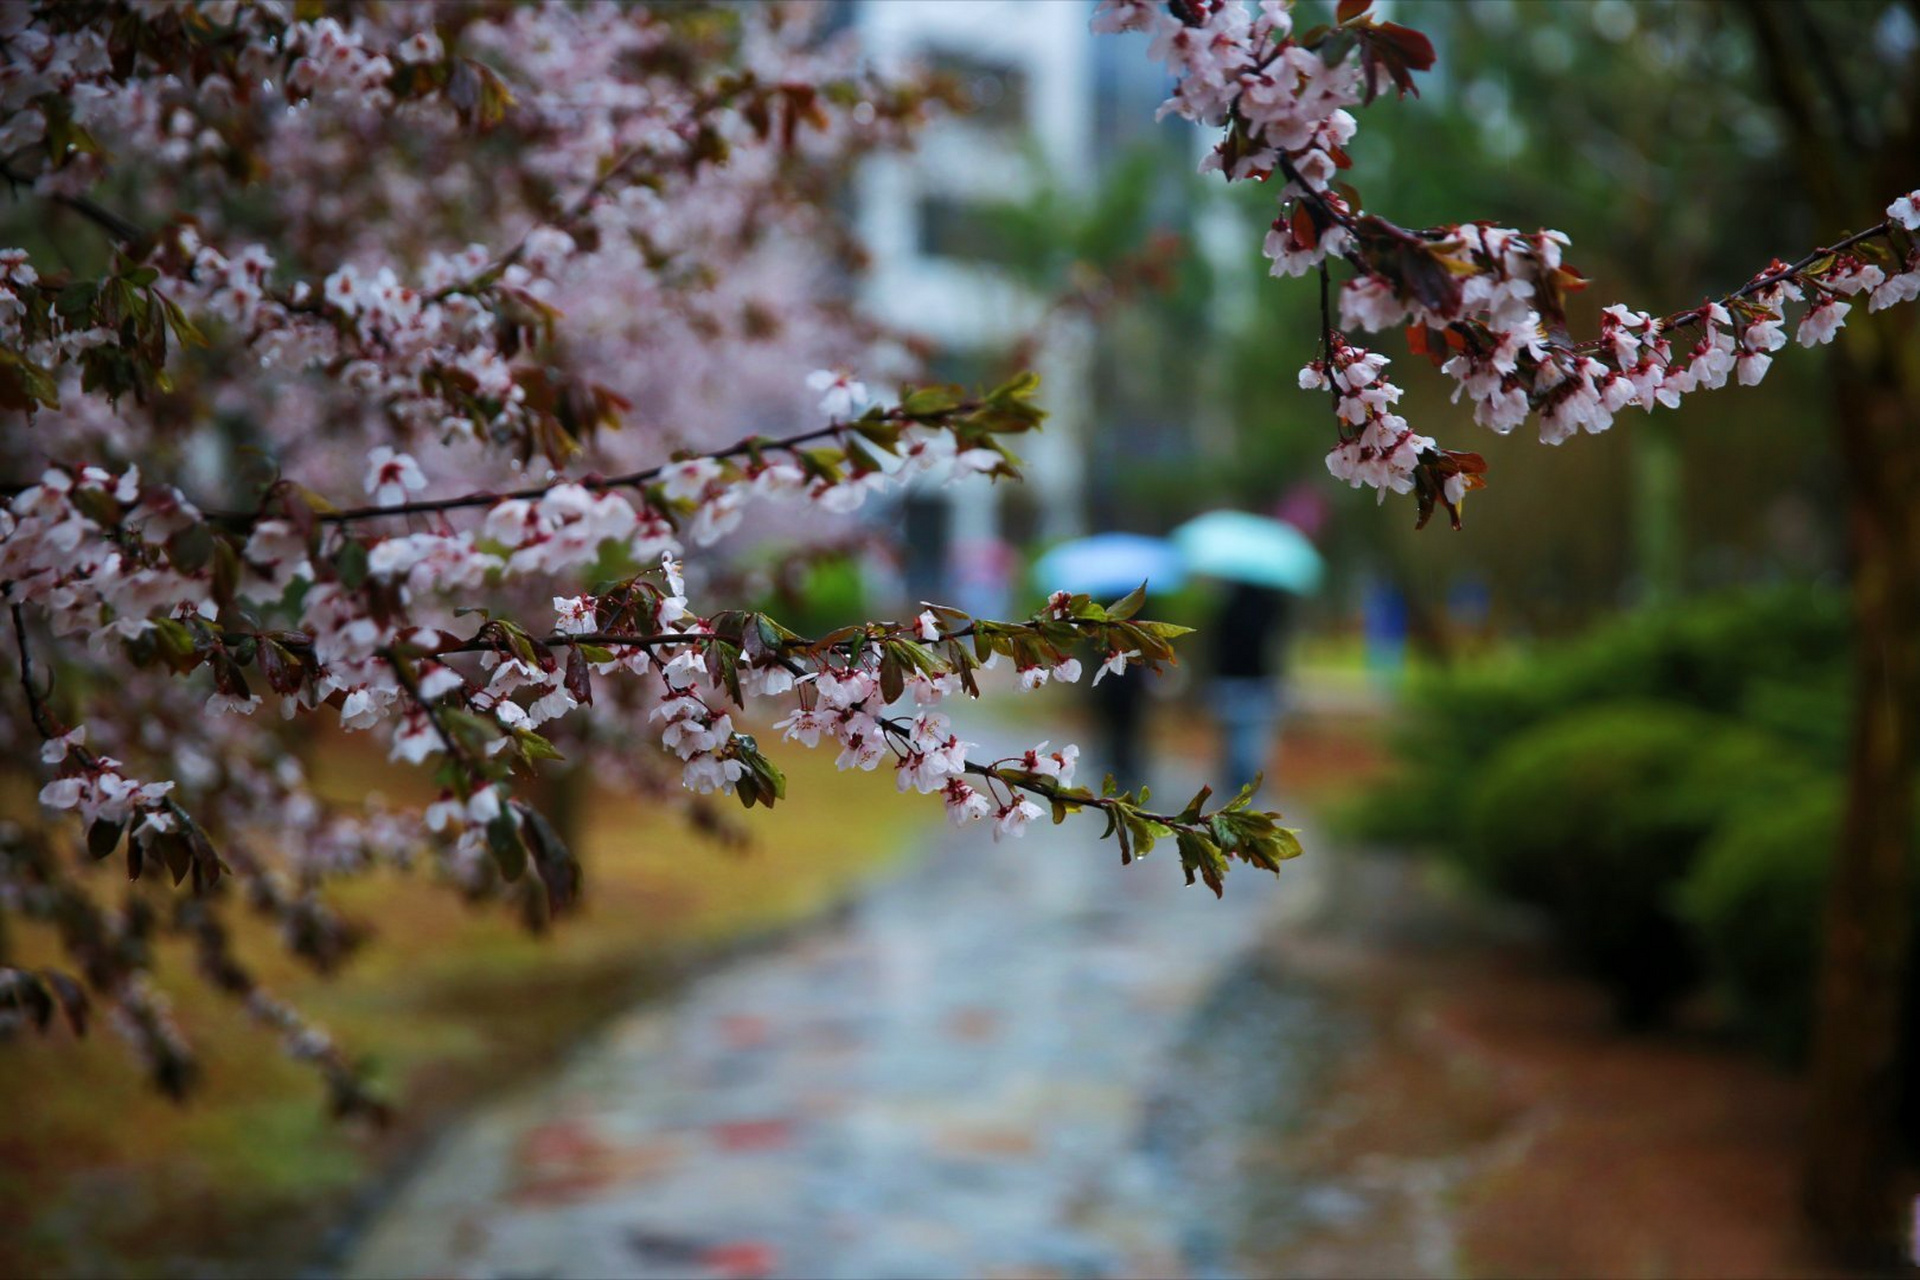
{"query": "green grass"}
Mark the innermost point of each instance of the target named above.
(98, 1175)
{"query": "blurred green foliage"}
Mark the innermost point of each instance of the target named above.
(1587, 778)
(826, 592)
(1596, 814)
(1754, 900)
(1774, 658)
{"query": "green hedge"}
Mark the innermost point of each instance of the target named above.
(1756, 899)
(1594, 816)
(1666, 788)
(1776, 659)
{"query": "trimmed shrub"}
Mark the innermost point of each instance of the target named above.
(1756, 898)
(1776, 659)
(1596, 815)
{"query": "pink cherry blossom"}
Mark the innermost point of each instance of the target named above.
(392, 476)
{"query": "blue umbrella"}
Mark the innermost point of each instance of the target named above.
(1110, 563)
(1252, 549)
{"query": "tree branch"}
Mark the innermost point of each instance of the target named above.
(1326, 342)
(106, 219)
(42, 719)
(798, 644)
(1691, 316)
(404, 674)
(633, 479)
(1678, 320)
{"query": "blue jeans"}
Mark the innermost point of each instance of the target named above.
(1247, 710)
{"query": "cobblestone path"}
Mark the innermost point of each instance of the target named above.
(961, 1076)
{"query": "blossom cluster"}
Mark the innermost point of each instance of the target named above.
(1507, 302)
(387, 362)
(429, 359)
(1487, 302)
(96, 789)
(70, 80)
(324, 609)
(658, 211)
(1284, 102)
(90, 548)
(304, 262)
(1377, 447)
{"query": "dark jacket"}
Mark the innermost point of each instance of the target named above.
(1245, 635)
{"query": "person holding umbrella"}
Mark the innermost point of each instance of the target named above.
(1264, 563)
(1246, 690)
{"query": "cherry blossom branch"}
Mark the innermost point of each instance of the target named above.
(1334, 214)
(866, 634)
(1082, 798)
(1487, 303)
(50, 732)
(108, 800)
(242, 520)
(403, 672)
(1760, 283)
(315, 608)
(1207, 839)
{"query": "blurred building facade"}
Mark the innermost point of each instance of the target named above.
(1049, 103)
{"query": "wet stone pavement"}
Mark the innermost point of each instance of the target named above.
(983, 1067)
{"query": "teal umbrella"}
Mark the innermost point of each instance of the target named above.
(1252, 549)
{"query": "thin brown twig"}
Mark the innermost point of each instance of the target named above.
(1021, 780)
(36, 707)
(631, 479)
(1326, 344)
(121, 229)
(404, 674)
(1682, 319)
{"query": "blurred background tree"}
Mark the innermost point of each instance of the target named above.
(1688, 143)
(1849, 130)
(1686, 769)
(1681, 146)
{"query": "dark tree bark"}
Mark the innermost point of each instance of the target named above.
(1853, 1151)
(1853, 1156)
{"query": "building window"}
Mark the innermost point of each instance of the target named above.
(965, 231)
(993, 94)
(925, 521)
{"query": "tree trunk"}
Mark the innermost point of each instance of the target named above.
(1853, 1150)
(1845, 168)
